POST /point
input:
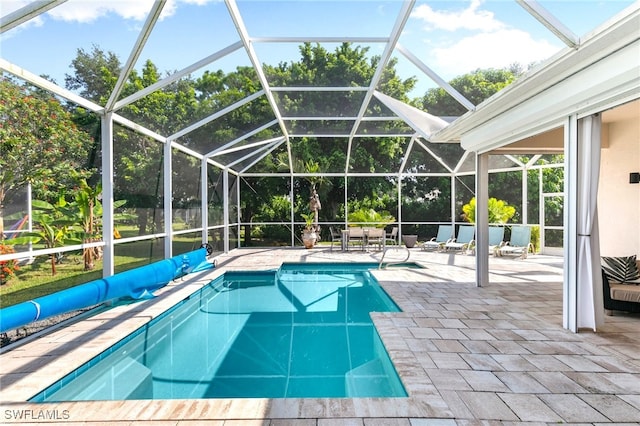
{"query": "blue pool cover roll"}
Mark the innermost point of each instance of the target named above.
(138, 283)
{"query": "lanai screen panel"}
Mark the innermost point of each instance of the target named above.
(465, 191)
(583, 23)
(194, 97)
(502, 162)
(422, 162)
(228, 129)
(139, 179)
(329, 152)
(376, 155)
(54, 39)
(427, 201)
(379, 127)
(186, 202)
(171, 48)
(266, 19)
(249, 143)
(215, 196)
(318, 104)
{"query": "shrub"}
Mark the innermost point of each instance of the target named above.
(365, 216)
(499, 211)
(8, 268)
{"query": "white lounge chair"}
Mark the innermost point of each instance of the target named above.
(496, 238)
(445, 233)
(464, 241)
(519, 244)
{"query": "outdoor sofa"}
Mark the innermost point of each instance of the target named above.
(620, 296)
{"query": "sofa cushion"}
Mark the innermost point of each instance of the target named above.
(625, 292)
(622, 269)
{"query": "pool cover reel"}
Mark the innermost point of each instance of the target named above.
(138, 283)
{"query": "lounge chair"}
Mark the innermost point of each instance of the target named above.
(496, 238)
(520, 242)
(464, 241)
(445, 233)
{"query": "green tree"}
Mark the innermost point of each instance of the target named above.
(95, 74)
(137, 158)
(346, 66)
(39, 143)
(476, 87)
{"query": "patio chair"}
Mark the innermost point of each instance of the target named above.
(376, 237)
(445, 232)
(520, 242)
(357, 236)
(392, 236)
(336, 237)
(464, 241)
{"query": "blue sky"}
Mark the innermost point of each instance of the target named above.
(451, 37)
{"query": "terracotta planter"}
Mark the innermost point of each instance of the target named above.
(309, 238)
(409, 240)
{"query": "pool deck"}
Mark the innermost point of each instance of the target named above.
(466, 355)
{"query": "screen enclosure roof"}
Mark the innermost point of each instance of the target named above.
(429, 41)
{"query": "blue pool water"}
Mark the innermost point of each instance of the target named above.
(301, 331)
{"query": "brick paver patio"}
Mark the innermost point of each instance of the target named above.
(466, 355)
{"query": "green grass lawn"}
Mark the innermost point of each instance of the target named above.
(36, 280)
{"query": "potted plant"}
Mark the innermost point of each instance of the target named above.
(409, 240)
(309, 234)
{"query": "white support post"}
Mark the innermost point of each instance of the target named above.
(204, 197)
(570, 281)
(482, 219)
(225, 208)
(453, 200)
(346, 198)
(541, 209)
(293, 212)
(525, 195)
(238, 212)
(168, 196)
(108, 252)
(399, 237)
(30, 212)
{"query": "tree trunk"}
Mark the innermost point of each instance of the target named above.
(89, 255)
(53, 264)
(143, 218)
(247, 235)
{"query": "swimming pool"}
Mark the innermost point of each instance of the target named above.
(303, 330)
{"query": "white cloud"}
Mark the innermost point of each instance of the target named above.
(498, 49)
(86, 11)
(461, 41)
(471, 18)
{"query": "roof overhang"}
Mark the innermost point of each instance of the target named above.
(602, 72)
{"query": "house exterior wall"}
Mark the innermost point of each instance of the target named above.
(618, 200)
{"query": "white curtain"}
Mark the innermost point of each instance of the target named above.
(590, 308)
